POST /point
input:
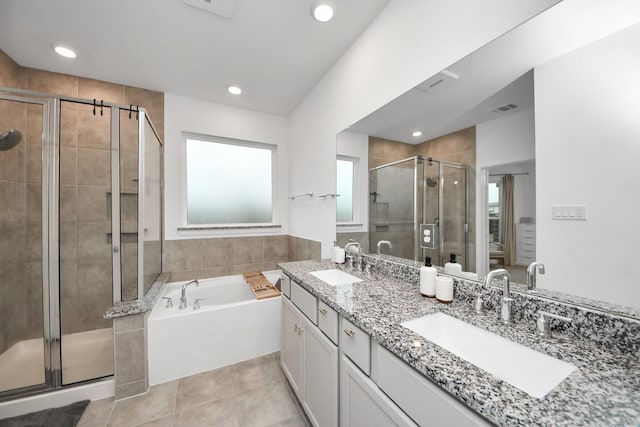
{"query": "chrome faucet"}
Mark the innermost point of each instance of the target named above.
(352, 243)
(506, 302)
(531, 274)
(383, 242)
(183, 295)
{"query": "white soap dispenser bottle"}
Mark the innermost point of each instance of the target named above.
(428, 275)
(452, 267)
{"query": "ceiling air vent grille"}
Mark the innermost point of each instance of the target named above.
(505, 108)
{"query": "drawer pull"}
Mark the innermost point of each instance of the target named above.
(349, 332)
(298, 329)
(323, 311)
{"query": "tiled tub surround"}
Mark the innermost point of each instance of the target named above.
(605, 390)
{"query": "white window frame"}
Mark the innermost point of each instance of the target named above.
(273, 227)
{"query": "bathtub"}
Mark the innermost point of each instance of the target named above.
(229, 327)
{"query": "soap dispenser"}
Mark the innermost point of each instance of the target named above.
(428, 275)
(452, 267)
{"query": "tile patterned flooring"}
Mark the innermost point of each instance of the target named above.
(251, 393)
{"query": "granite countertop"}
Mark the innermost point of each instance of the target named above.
(603, 391)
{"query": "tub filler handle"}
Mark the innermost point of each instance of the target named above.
(169, 302)
(196, 304)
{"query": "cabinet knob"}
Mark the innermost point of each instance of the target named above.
(349, 332)
(323, 311)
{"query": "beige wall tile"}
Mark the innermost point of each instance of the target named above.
(94, 131)
(68, 165)
(218, 272)
(180, 276)
(247, 268)
(275, 248)
(9, 71)
(130, 356)
(53, 83)
(128, 323)
(68, 128)
(92, 240)
(92, 203)
(152, 101)
(248, 250)
(183, 255)
(94, 167)
(217, 252)
(100, 90)
(126, 390)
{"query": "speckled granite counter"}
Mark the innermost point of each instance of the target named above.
(604, 391)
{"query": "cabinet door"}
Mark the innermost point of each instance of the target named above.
(291, 356)
(363, 404)
(321, 377)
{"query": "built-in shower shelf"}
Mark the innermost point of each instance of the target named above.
(124, 238)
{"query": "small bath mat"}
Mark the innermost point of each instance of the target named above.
(261, 287)
(64, 416)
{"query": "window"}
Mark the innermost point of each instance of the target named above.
(229, 181)
(494, 211)
(344, 187)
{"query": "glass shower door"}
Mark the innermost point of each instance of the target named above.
(22, 344)
(86, 265)
(392, 207)
(454, 213)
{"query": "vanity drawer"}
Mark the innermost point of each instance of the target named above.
(421, 399)
(356, 344)
(285, 285)
(328, 321)
(305, 301)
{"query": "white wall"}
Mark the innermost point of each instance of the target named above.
(506, 140)
(356, 145)
(587, 151)
(410, 41)
(182, 114)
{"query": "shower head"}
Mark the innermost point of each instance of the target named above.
(9, 139)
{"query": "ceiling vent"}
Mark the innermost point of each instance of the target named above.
(437, 82)
(505, 108)
(222, 8)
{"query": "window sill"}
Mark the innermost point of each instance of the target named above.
(230, 229)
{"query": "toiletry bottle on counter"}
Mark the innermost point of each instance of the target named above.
(444, 289)
(428, 278)
(452, 267)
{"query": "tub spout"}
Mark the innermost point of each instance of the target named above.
(183, 295)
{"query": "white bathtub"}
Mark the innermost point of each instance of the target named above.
(231, 326)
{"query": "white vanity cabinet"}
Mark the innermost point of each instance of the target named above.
(310, 361)
(292, 353)
(363, 404)
(420, 398)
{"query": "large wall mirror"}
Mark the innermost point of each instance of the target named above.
(543, 125)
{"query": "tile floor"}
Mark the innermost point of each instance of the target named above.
(251, 393)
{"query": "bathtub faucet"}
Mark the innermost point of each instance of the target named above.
(183, 295)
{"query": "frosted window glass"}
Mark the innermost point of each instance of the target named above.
(228, 184)
(344, 184)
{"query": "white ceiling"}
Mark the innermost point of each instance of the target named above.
(273, 49)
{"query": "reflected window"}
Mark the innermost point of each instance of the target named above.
(229, 181)
(344, 186)
(494, 212)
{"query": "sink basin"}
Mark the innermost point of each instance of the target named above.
(529, 370)
(335, 277)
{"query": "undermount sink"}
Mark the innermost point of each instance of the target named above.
(335, 277)
(529, 370)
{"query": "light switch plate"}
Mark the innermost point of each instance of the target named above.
(569, 212)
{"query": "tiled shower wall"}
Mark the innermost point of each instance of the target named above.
(459, 147)
(205, 258)
(84, 197)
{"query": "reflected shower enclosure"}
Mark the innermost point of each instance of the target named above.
(406, 195)
(69, 249)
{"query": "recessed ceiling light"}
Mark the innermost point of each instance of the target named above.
(234, 90)
(417, 133)
(65, 51)
(322, 11)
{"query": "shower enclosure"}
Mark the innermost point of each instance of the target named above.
(419, 204)
(69, 249)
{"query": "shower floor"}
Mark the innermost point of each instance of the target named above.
(85, 355)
